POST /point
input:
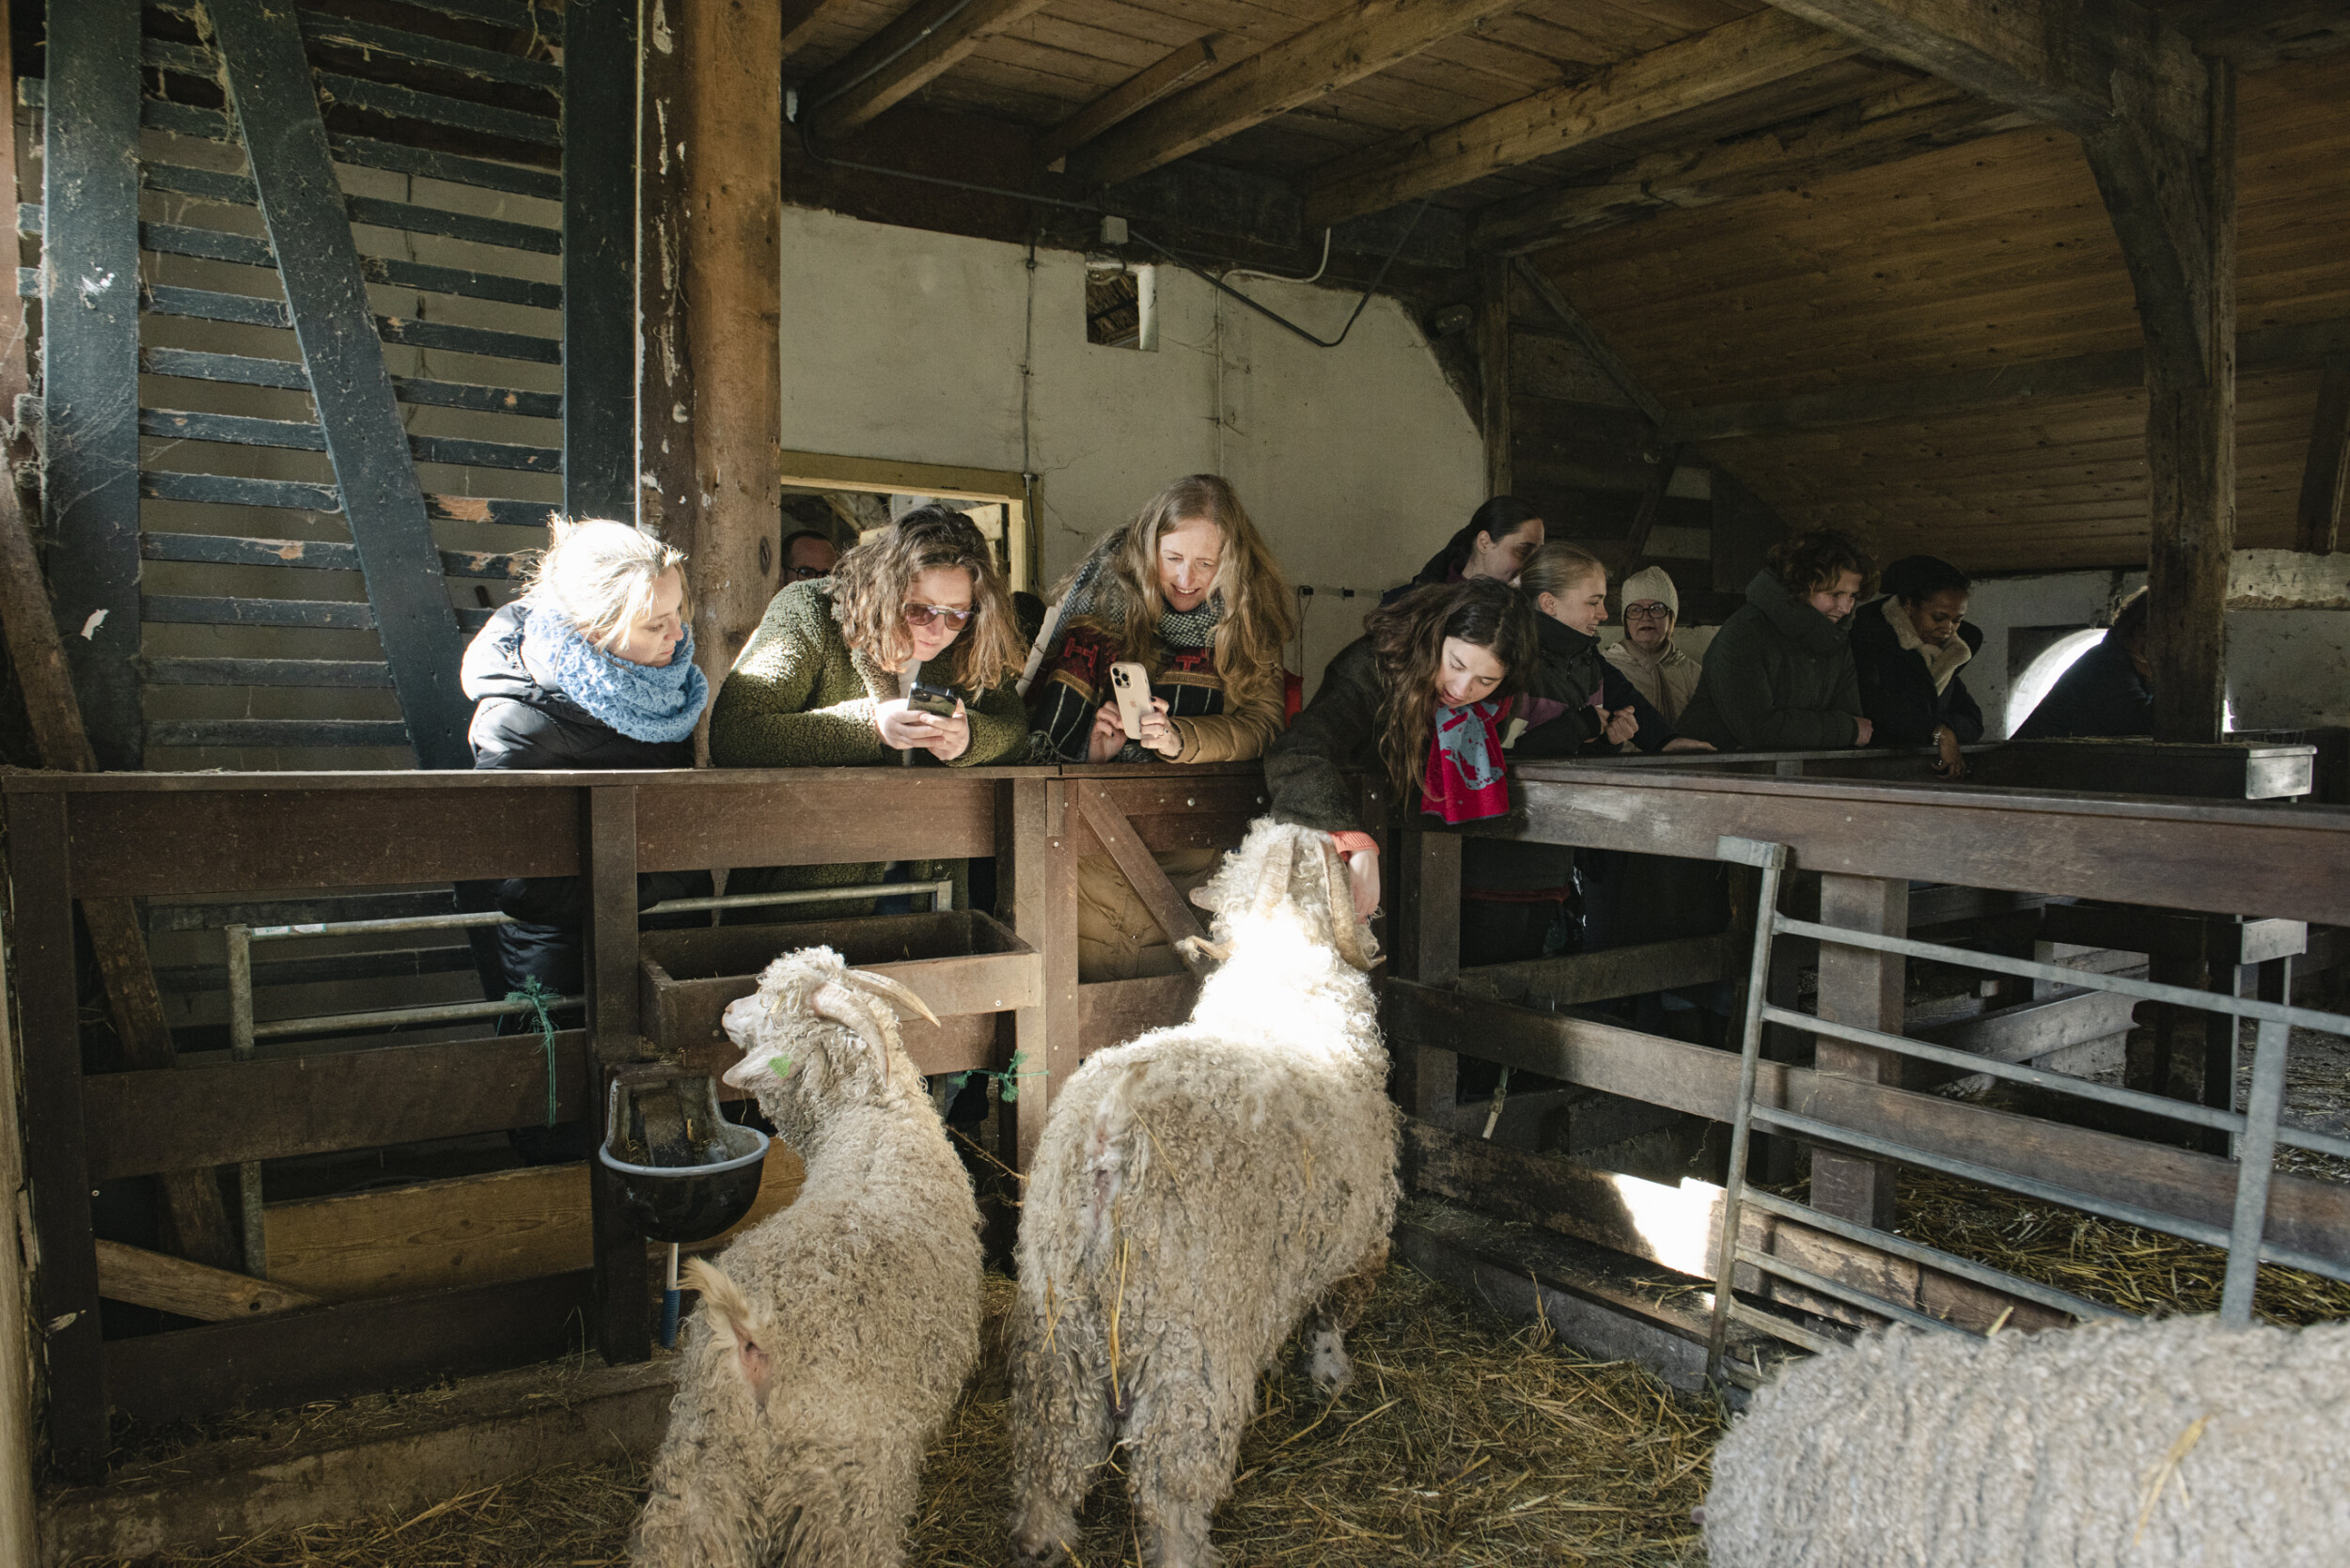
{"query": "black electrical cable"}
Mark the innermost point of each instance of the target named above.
(808, 146)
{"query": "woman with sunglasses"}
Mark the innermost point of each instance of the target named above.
(825, 681)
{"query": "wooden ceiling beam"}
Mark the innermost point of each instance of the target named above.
(1615, 369)
(1876, 402)
(1126, 100)
(801, 19)
(2318, 520)
(925, 42)
(1360, 41)
(1920, 116)
(1752, 51)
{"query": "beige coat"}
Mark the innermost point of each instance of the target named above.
(1666, 679)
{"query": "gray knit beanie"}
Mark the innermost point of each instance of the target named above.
(1653, 583)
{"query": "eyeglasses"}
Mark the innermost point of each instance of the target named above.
(1647, 612)
(801, 574)
(925, 615)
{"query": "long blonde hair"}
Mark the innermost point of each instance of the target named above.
(1258, 617)
(599, 576)
(869, 586)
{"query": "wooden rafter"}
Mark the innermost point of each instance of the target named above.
(1126, 100)
(2318, 522)
(1592, 344)
(1917, 117)
(1360, 41)
(1874, 402)
(801, 18)
(928, 38)
(1737, 56)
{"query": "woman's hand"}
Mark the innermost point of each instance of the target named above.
(1864, 729)
(1688, 743)
(954, 735)
(1620, 726)
(1952, 764)
(1158, 731)
(909, 728)
(1109, 734)
(1362, 879)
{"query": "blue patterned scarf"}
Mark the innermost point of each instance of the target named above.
(645, 703)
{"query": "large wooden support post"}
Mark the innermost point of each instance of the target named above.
(90, 362)
(664, 383)
(599, 258)
(2168, 178)
(1865, 988)
(1426, 890)
(624, 1321)
(1039, 899)
(729, 148)
(19, 1534)
(1492, 368)
(2318, 520)
(65, 1278)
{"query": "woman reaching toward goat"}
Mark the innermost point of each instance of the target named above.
(1422, 698)
(1189, 591)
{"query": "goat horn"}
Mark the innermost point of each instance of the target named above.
(1344, 928)
(845, 1007)
(893, 990)
(1274, 884)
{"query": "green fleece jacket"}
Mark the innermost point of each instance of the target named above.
(800, 697)
(1778, 676)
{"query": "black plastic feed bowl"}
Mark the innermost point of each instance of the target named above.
(694, 1192)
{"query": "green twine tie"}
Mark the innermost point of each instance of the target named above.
(539, 997)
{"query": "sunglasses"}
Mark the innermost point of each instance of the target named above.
(925, 615)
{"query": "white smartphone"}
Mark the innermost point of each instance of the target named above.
(1131, 684)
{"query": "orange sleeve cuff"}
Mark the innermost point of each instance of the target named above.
(1351, 843)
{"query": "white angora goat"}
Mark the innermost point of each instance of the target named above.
(834, 1337)
(1197, 1192)
(2177, 1444)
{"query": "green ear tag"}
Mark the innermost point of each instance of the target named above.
(779, 1064)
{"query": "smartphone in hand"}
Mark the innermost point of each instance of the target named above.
(1131, 684)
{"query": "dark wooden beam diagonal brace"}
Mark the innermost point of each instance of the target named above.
(599, 258)
(1738, 57)
(90, 362)
(2318, 522)
(1593, 345)
(1922, 116)
(1359, 42)
(928, 39)
(275, 106)
(1126, 100)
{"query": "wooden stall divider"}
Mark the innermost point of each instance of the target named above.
(1426, 875)
(623, 1323)
(1865, 988)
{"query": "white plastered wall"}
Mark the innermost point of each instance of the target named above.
(1354, 462)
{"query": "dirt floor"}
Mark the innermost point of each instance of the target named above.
(1465, 1440)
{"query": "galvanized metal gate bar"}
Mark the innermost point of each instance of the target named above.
(2258, 1130)
(269, 83)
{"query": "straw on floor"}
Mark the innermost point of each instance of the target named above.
(1465, 1439)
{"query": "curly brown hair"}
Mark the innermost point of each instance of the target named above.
(869, 586)
(1259, 618)
(1807, 562)
(1407, 637)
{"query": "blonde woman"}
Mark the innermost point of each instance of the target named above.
(824, 682)
(591, 667)
(1189, 591)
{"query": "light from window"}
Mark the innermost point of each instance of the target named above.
(2045, 671)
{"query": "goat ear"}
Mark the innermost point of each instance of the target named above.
(729, 1312)
(751, 1361)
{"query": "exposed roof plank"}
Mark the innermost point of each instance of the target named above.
(1365, 38)
(803, 19)
(1915, 119)
(927, 39)
(1126, 100)
(1750, 52)
(1584, 332)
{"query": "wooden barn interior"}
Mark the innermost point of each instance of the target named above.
(324, 309)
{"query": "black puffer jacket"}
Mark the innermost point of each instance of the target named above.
(1571, 669)
(1778, 676)
(518, 723)
(1897, 694)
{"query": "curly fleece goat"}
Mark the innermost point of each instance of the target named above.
(833, 1339)
(1197, 1192)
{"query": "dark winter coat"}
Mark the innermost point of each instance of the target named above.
(1306, 769)
(1778, 676)
(1897, 692)
(1571, 669)
(518, 723)
(2102, 694)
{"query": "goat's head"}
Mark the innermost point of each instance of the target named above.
(817, 1033)
(1291, 878)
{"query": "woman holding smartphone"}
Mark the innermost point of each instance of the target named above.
(829, 678)
(1188, 592)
